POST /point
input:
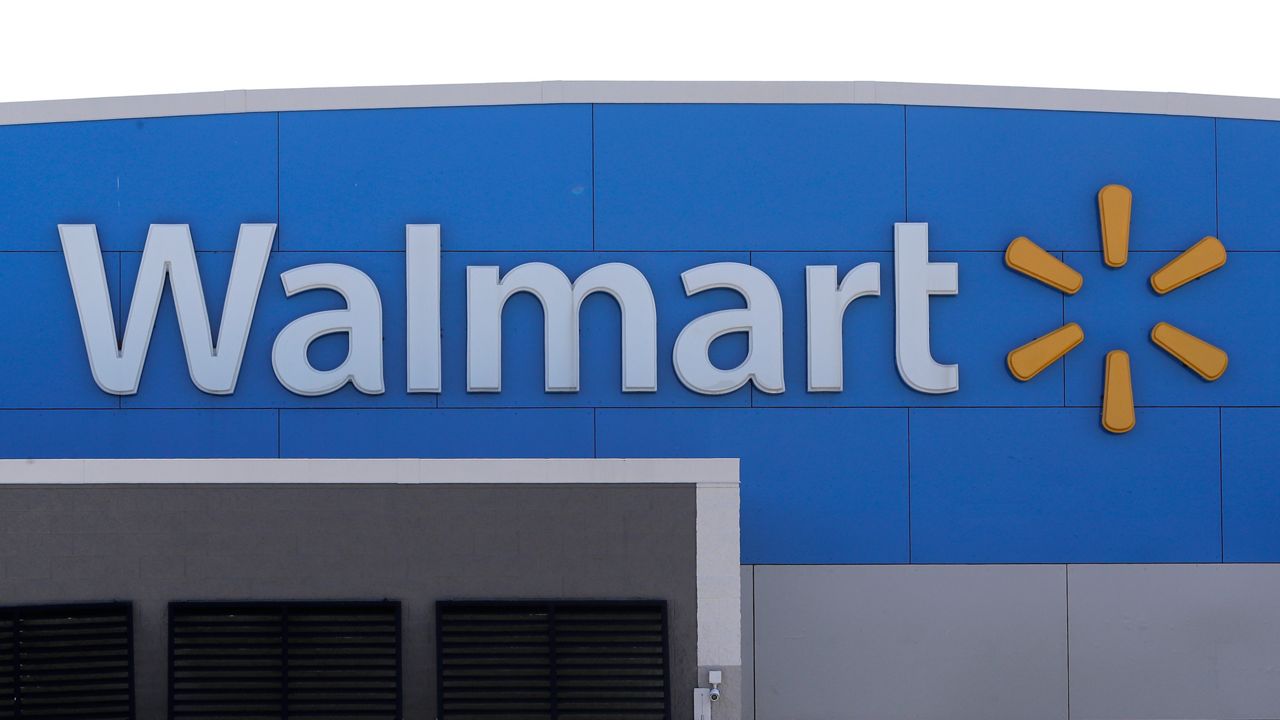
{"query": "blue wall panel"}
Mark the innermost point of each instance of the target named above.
(43, 363)
(212, 172)
(1250, 489)
(748, 177)
(495, 178)
(1236, 308)
(1249, 184)
(436, 433)
(1048, 485)
(818, 485)
(961, 333)
(138, 433)
(998, 472)
(984, 177)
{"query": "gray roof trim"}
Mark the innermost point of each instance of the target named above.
(533, 93)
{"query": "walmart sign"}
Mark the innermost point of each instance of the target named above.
(214, 364)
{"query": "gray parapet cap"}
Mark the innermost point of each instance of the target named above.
(603, 92)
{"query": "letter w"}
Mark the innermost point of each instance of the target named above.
(117, 366)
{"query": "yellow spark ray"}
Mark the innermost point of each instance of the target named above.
(1196, 261)
(1115, 209)
(1207, 361)
(1034, 261)
(1118, 415)
(1029, 360)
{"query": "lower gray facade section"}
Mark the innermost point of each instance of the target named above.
(1011, 641)
(1175, 641)
(911, 642)
(152, 544)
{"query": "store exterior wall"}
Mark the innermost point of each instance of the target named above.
(989, 552)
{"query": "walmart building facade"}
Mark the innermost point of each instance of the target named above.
(575, 400)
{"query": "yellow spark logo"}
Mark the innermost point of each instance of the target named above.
(1115, 205)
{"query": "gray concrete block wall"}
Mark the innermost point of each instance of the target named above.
(152, 544)
(985, 642)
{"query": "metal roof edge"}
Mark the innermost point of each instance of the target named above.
(605, 92)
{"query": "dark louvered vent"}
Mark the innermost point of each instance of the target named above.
(72, 662)
(552, 660)
(8, 667)
(287, 661)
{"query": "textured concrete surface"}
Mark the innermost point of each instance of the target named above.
(414, 543)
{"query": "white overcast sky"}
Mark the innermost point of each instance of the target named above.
(57, 49)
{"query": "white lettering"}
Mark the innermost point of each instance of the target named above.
(422, 286)
(915, 279)
(826, 307)
(361, 321)
(761, 320)
(168, 254)
(561, 303)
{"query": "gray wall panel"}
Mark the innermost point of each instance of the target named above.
(1175, 641)
(415, 543)
(919, 642)
(748, 643)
